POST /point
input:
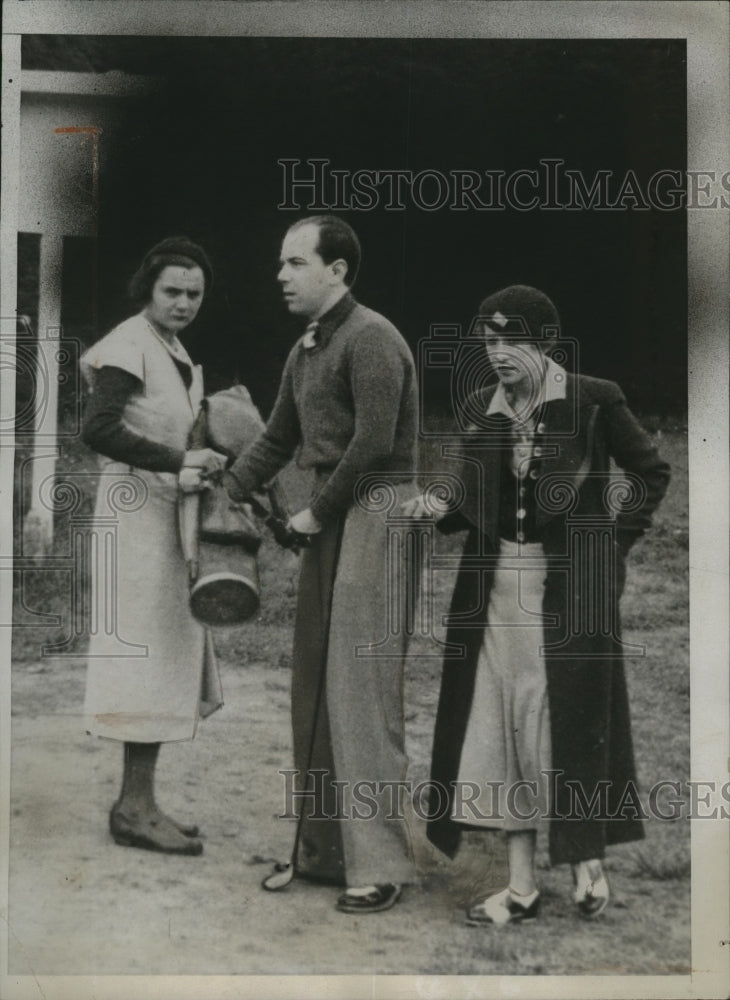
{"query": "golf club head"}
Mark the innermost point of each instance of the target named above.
(280, 877)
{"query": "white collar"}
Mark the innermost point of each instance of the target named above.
(552, 387)
(173, 347)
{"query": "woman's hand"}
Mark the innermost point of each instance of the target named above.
(415, 507)
(199, 466)
(206, 460)
(191, 480)
(423, 506)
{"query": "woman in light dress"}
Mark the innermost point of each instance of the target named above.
(152, 673)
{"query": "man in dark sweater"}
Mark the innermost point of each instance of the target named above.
(347, 405)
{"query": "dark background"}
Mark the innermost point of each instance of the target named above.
(200, 157)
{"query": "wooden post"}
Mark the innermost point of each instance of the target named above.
(38, 523)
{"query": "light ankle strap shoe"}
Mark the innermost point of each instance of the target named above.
(503, 908)
(591, 892)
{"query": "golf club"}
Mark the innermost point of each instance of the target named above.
(284, 871)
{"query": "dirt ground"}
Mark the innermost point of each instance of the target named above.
(80, 905)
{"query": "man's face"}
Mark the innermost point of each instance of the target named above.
(305, 279)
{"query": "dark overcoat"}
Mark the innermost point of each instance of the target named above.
(587, 517)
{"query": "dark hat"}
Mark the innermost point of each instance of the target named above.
(181, 246)
(519, 309)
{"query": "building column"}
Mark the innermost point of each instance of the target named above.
(38, 522)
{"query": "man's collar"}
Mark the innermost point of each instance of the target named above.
(334, 317)
(552, 387)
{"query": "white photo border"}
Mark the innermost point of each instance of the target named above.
(704, 25)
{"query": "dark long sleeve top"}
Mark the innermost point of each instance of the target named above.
(348, 404)
(104, 429)
(576, 452)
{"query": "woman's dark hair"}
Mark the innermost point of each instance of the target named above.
(336, 240)
(175, 251)
(521, 310)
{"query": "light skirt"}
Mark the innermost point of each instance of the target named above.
(502, 780)
(151, 666)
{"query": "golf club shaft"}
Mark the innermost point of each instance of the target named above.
(320, 686)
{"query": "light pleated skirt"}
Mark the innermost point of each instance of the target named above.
(152, 671)
(502, 780)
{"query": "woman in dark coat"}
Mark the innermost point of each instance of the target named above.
(533, 717)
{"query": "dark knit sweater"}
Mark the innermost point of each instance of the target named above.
(104, 429)
(348, 404)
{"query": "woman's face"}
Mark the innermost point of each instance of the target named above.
(176, 298)
(518, 363)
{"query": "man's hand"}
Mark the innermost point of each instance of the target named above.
(304, 523)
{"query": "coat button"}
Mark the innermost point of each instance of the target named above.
(521, 514)
(533, 473)
(537, 452)
(520, 536)
(541, 428)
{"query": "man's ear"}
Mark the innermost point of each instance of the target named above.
(339, 268)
